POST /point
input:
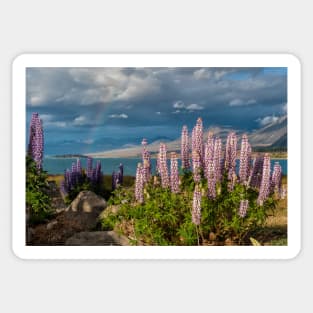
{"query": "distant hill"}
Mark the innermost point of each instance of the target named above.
(270, 137)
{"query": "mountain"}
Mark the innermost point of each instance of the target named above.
(268, 137)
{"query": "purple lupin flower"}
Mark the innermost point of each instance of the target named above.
(196, 167)
(98, 174)
(36, 140)
(230, 153)
(157, 168)
(211, 177)
(217, 159)
(121, 173)
(146, 160)
(89, 168)
(265, 183)
(276, 178)
(174, 173)
(114, 177)
(185, 148)
(68, 179)
(198, 139)
(139, 183)
(244, 160)
(256, 173)
(74, 174)
(243, 208)
(196, 206)
(163, 166)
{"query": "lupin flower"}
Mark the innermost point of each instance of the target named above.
(139, 183)
(185, 148)
(74, 174)
(243, 208)
(121, 173)
(276, 178)
(208, 153)
(230, 153)
(256, 173)
(217, 159)
(163, 166)
(89, 168)
(146, 160)
(196, 206)
(98, 174)
(244, 160)
(174, 173)
(265, 183)
(114, 180)
(36, 140)
(196, 167)
(197, 140)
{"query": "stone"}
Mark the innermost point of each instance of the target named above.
(97, 238)
(87, 202)
(112, 209)
(51, 224)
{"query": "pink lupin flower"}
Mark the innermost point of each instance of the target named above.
(196, 167)
(163, 166)
(217, 158)
(265, 183)
(231, 153)
(244, 160)
(174, 173)
(146, 160)
(208, 153)
(139, 183)
(256, 173)
(199, 139)
(244, 204)
(185, 148)
(196, 206)
(276, 178)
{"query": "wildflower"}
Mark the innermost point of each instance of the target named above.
(146, 160)
(196, 167)
(217, 158)
(244, 159)
(185, 148)
(163, 166)
(139, 184)
(244, 204)
(36, 140)
(276, 178)
(174, 173)
(265, 183)
(196, 206)
(230, 154)
(256, 173)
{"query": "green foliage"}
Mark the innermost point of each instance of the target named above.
(38, 202)
(165, 218)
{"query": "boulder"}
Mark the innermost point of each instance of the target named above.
(87, 202)
(97, 238)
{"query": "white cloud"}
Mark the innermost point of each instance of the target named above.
(202, 73)
(80, 120)
(239, 102)
(158, 113)
(118, 116)
(267, 120)
(194, 106)
(176, 112)
(88, 141)
(179, 105)
(47, 121)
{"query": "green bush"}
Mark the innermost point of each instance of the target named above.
(38, 202)
(165, 218)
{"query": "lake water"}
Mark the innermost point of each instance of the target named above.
(58, 165)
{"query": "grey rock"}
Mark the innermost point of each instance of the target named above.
(88, 202)
(51, 224)
(97, 238)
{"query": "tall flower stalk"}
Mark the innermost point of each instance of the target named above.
(244, 165)
(139, 184)
(266, 180)
(185, 148)
(36, 140)
(217, 159)
(243, 208)
(230, 155)
(196, 206)
(174, 173)
(146, 160)
(276, 178)
(163, 166)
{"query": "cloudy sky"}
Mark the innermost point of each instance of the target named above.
(96, 109)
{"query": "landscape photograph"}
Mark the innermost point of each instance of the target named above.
(156, 156)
